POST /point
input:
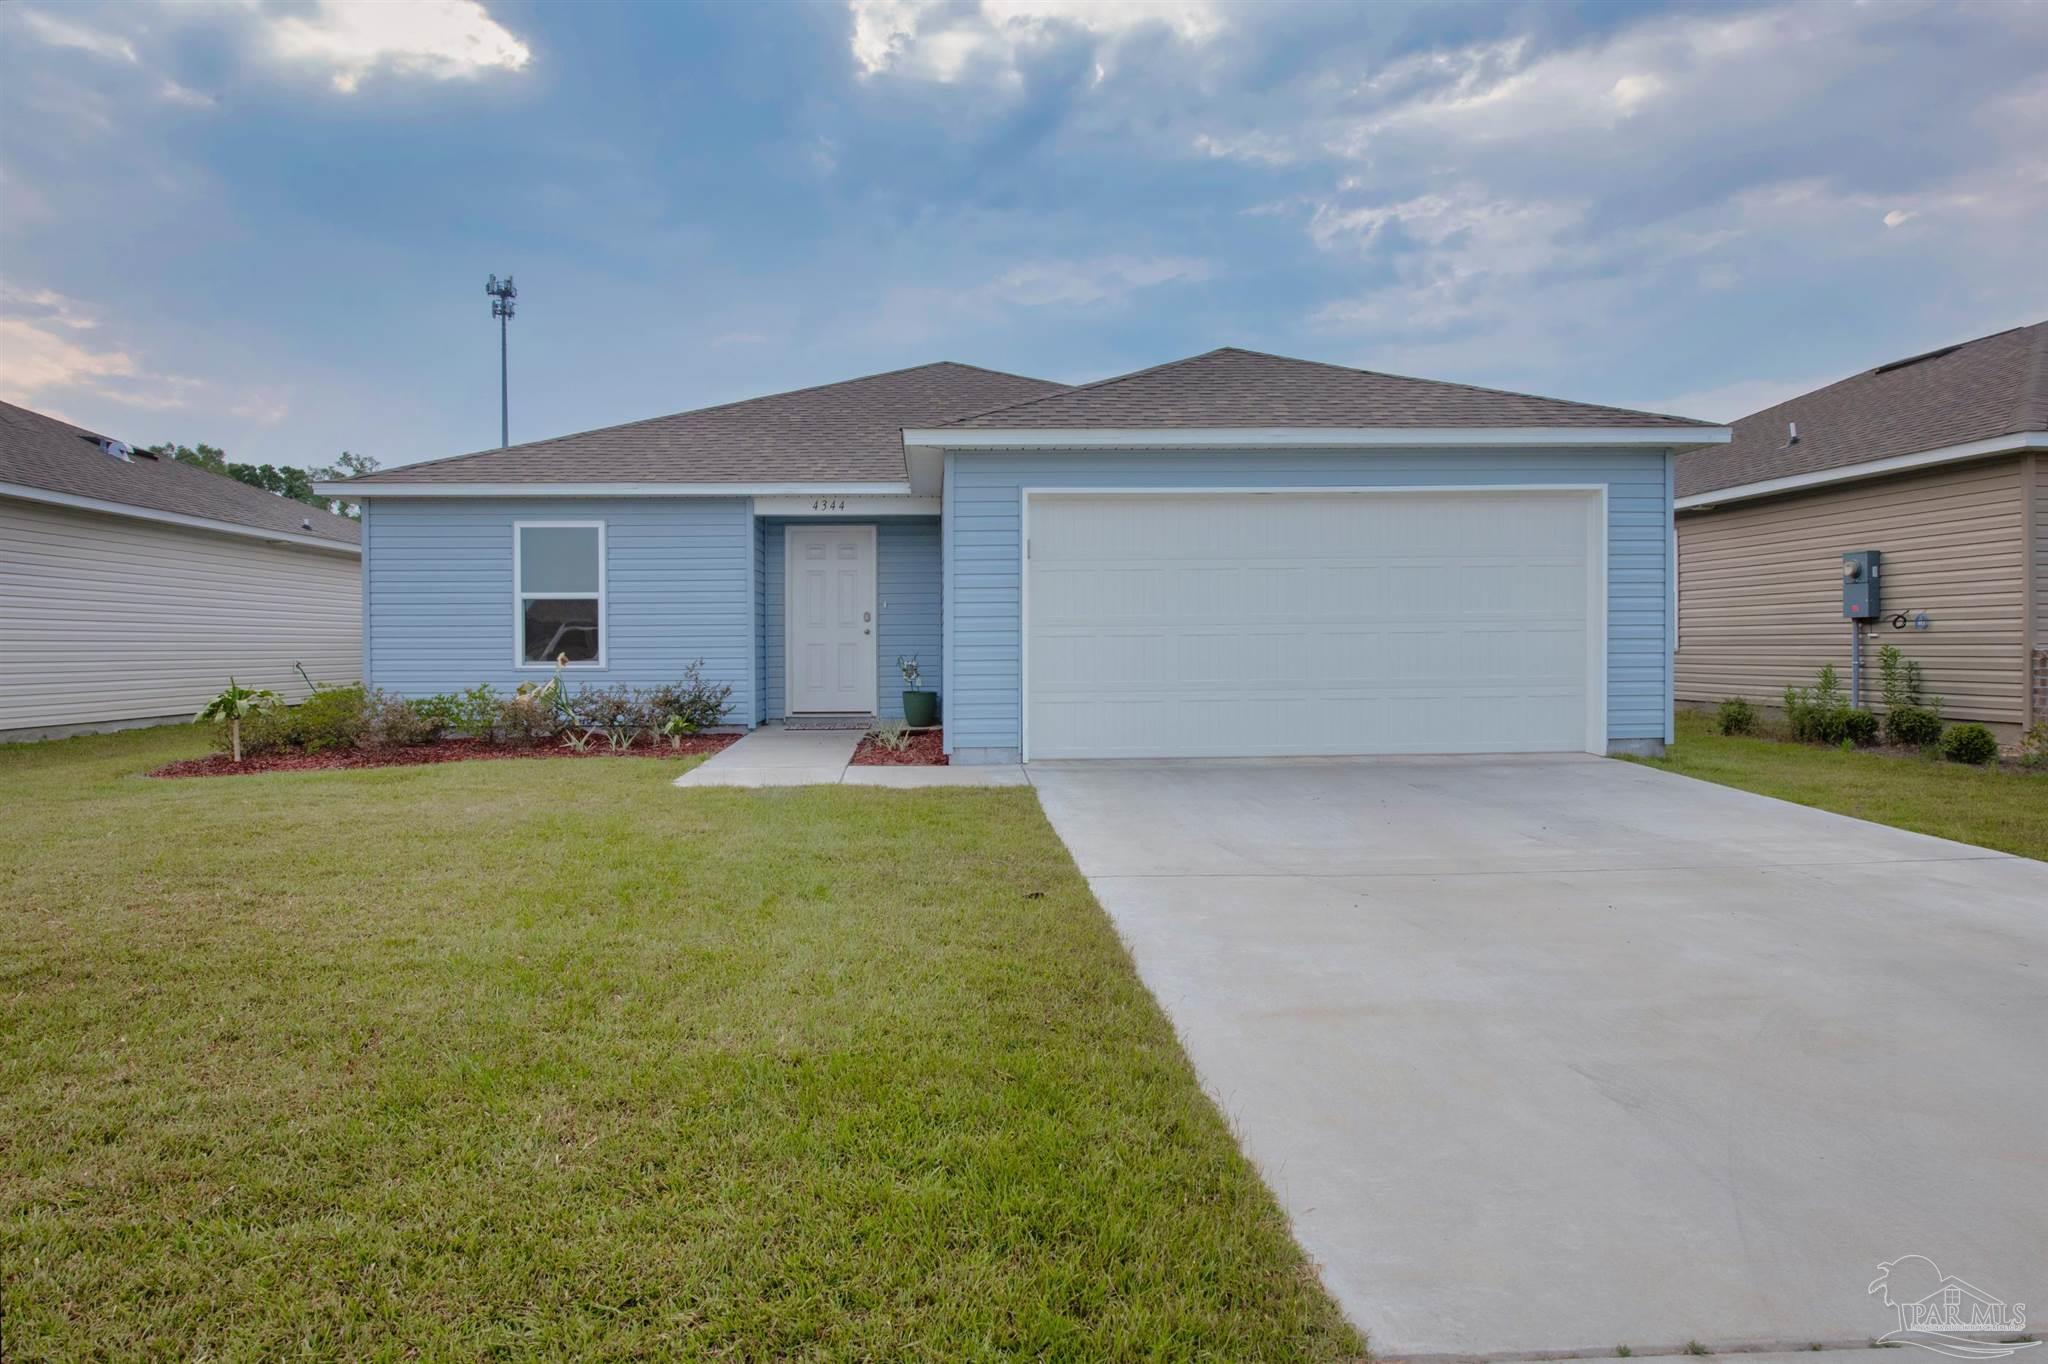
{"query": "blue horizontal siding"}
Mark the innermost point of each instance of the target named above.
(908, 615)
(439, 594)
(984, 553)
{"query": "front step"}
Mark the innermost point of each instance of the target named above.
(848, 721)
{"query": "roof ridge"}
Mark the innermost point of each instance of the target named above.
(714, 407)
(1094, 384)
(2033, 410)
(1340, 369)
(1497, 392)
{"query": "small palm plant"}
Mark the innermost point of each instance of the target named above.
(233, 704)
(677, 728)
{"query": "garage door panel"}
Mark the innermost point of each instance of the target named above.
(1173, 625)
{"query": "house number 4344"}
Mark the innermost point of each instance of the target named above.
(828, 504)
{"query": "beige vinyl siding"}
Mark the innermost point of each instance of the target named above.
(107, 618)
(1760, 587)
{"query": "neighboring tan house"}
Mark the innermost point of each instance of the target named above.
(1234, 554)
(1938, 461)
(131, 587)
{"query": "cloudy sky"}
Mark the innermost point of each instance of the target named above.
(268, 225)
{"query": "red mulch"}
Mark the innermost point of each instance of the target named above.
(925, 750)
(445, 751)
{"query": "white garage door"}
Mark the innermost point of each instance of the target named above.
(1241, 625)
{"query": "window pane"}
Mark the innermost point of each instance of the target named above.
(561, 625)
(558, 559)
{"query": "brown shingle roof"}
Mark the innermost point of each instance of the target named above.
(1243, 388)
(1994, 386)
(42, 452)
(844, 432)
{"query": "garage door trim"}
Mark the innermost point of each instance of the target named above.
(1595, 495)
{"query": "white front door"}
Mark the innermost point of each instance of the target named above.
(831, 645)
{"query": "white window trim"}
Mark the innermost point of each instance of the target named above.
(1595, 496)
(520, 596)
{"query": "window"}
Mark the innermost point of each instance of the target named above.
(558, 592)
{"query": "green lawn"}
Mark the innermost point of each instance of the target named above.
(2006, 810)
(549, 1059)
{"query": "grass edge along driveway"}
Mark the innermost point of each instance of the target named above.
(551, 1059)
(2002, 809)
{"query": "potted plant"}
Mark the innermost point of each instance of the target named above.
(920, 708)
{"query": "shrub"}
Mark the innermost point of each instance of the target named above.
(621, 714)
(1969, 744)
(396, 722)
(696, 702)
(1859, 728)
(2034, 745)
(1910, 719)
(1912, 726)
(1818, 714)
(1735, 716)
(332, 717)
(528, 717)
(473, 712)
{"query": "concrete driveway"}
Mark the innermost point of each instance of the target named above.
(1557, 1054)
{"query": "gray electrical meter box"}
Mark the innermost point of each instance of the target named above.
(1860, 572)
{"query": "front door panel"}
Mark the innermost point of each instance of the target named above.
(831, 607)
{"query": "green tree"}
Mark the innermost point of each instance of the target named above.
(349, 465)
(283, 480)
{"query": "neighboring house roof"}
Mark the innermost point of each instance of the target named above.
(1975, 392)
(47, 460)
(1243, 389)
(845, 432)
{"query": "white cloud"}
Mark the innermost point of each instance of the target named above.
(1077, 288)
(55, 32)
(935, 40)
(47, 348)
(1086, 283)
(352, 39)
(37, 356)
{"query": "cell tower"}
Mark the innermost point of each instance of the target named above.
(503, 295)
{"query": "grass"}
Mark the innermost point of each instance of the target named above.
(1992, 808)
(551, 1060)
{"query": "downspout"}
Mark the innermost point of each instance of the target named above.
(367, 635)
(946, 602)
(1671, 597)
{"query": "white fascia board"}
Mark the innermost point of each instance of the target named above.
(1875, 468)
(94, 504)
(840, 506)
(1242, 437)
(353, 489)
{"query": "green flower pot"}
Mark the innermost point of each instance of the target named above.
(920, 709)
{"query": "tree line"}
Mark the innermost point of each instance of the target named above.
(281, 479)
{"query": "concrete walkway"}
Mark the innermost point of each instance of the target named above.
(1564, 1054)
(774, 756)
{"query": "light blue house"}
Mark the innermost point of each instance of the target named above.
(1231, 555)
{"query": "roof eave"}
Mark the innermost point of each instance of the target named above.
(353, 489)
(51, 497)
(2013, 443)
(1212, 437)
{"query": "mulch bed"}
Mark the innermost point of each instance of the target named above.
(925, 750)
(445, 751)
